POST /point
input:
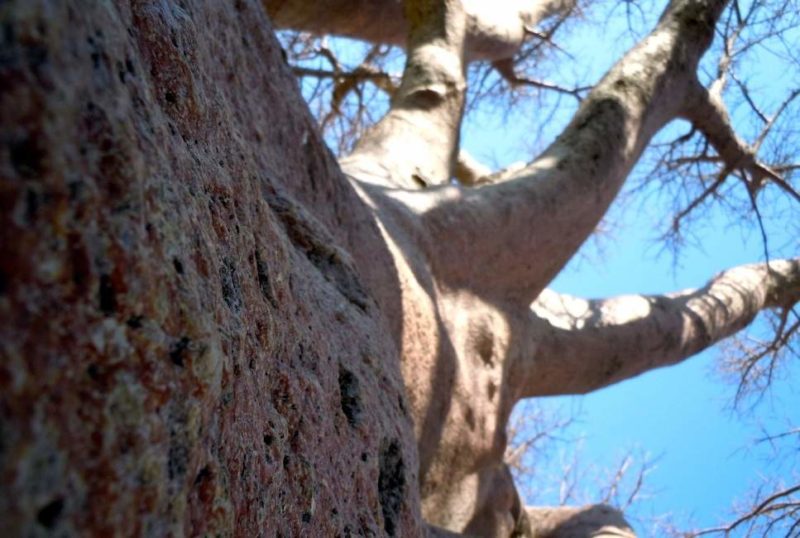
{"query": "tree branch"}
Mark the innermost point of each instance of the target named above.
(415, 144)
(505, 68)
(494, 30)
(381, 79)
(469, 171)
(598, 521)
(754, 361)
(510, 239)
(584, 345)
(763, 509)
(707, 112)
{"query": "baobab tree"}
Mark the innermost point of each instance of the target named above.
(394, 316)
(490, 251)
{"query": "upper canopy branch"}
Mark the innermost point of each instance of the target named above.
(494, 30)
(584, 344)
(505, 68)
(707, 112)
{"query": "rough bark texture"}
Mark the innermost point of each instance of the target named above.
(187, 348)
(425, 119)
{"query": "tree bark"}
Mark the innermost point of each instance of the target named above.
(425, 116)
(583, 345)
(184, 349)
(518, 234)
(597, 521)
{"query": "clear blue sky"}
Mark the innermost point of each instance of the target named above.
(706, 457)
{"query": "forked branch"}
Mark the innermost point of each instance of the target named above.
(708, 113)
(516, 235)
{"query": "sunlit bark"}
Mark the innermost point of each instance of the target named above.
(494, 30)
(583, 345)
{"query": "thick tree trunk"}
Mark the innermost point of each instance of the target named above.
(186, 347)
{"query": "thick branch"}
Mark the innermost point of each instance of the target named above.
(584, 345)
(415, 144)
(512, 238)
(471, 172)
(597, 521)
(494, 29)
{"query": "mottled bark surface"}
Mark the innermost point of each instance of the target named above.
(187, 348)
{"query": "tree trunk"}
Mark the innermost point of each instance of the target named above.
(187, 347)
